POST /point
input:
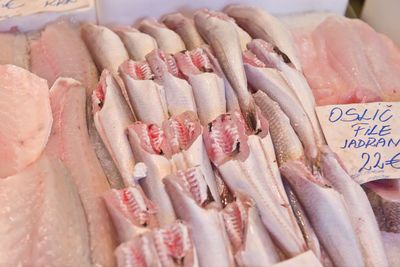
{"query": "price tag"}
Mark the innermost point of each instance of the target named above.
(12, 8)
(366, 138)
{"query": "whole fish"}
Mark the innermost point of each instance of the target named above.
(132, 213)
(185, 28)
(147, 97)
(327, 212)
(112, 117)
(138, 44)
(262, 25)
(270, 81)
(361, 213)
(207, 83)
(189, 194)
(219, 31)
(178, 92)
(167, 40)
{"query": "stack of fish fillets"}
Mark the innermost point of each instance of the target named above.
(206, 131)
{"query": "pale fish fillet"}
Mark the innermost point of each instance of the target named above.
(167, 40)
(245, 165)
(305, 259)
(185, 28)
(112, 117)
(232, 102)
(188, 192)
(148, 144)
(137, 44)
(69, 141)
(164, 247)
(25, 114)
(42, 221)
(219, 31)
(186, 148)
(360, 210)
(14, 49)
(147, 97)
(327, 212)
(250, 240)
(270, 81)
(207, 83)
(104, 45)
(132, 213)
(272, 57)
(262, 25)
(392, 247)
(178, 91)
(60, 52)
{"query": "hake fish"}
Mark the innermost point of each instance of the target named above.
(219, 31)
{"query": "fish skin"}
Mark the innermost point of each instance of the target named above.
(361, 213)
(167, 40)
(60, 52)
(207, 85)
(147, 97)
(106, 48)
(262, 25)
(112, 117)
(178, 92)
(327, 212)
(305, 259)
(207, 225)
(25, 113)
(186, 29)
(392, 247)
(220, 33)
(14, 49)
(70, 142)
(270, 82)
(137, 44)
(42, 220)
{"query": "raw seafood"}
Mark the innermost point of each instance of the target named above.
(25, 114)
(167, 40)
(220, 33)
(392, 247)
(138, 44)
(42, 222)
(262, 25)
(185, 28)
(60, 52)
(305, 259)
(14, 49)
(69, 141)
(112, 117)
(207, 83)
(145, 95)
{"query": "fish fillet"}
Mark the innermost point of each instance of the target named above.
(14, 49)
(25, 114)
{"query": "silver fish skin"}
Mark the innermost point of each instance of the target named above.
(220, 33)
(112, 116)
(137, 44)
(207, 84)
(251, 242)
(232, 102)
(294, 78)
(270, 81)
(167, 40)
(262, 25)
(186, 29)
(361, 213)
(327, 212)
(132, 213)
(206, 222)
(107, 50)
(305, 259)
(157, 167)
(147, 97)
(178, 92)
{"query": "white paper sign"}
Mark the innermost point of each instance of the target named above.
(12, 8)
(366, 138)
